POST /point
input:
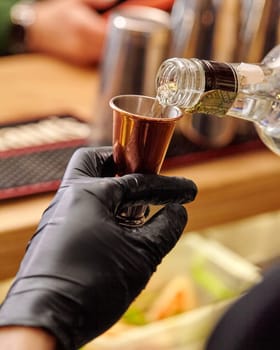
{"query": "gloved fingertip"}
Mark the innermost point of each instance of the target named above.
(177, 214)
(164, 229)
(193, 191)
(188, 190)
(170, 221)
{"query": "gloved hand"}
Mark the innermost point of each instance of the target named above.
(82, 270)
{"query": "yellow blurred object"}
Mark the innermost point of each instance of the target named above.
(4, 287)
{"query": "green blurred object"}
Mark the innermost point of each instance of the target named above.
(5, 25)
(135, 316)
(209, 281)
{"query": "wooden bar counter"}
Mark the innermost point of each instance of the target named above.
(230, 188)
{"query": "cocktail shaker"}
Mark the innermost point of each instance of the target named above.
(137, 43)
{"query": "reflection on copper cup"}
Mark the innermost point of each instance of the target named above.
(142, 131)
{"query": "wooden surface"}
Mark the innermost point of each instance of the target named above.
(230, 188)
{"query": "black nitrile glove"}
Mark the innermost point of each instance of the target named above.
(82, 270)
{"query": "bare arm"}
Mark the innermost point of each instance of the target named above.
(26, 338)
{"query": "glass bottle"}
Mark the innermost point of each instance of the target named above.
(241, 90)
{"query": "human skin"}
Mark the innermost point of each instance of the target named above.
(26, 338)
(69, 29)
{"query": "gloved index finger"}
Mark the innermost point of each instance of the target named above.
(156, 189)
(90, 162)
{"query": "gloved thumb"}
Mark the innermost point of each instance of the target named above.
(164, 229)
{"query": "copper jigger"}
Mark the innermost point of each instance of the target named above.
(142, 131)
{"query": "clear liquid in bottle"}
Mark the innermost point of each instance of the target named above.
(246, 91)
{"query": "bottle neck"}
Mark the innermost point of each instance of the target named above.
(180, 82)
(183, 82)
(219, 76)
(208, 87)
(246, 91)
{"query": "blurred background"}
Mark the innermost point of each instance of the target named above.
(61, 62)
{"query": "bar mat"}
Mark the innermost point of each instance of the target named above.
(34, 154)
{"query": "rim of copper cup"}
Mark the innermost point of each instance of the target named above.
(118, 109)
